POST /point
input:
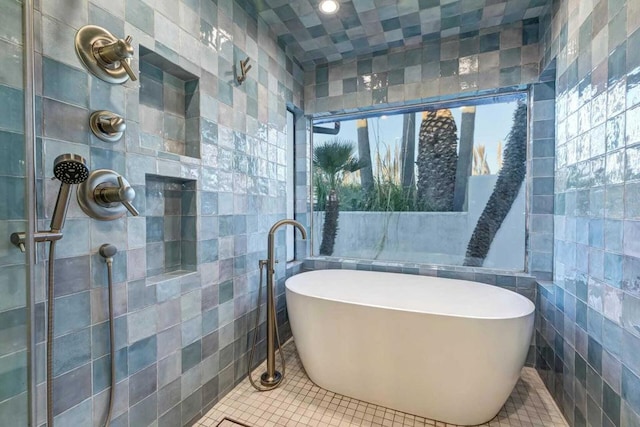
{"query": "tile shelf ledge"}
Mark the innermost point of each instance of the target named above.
(172, 275)
(423, 268)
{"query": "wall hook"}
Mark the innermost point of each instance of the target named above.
(243, 70)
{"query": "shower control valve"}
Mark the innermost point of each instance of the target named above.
(123, 193)
(106, 195)
(105, 55)
(107, 126)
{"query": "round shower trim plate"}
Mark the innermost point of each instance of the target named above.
(329, 7)
(86, 195)
(87, 40)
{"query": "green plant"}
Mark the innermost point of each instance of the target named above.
(333, 160)
(390, 196)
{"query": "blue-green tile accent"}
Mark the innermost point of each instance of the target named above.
(71, 350)
(64, 83)
(11, 109)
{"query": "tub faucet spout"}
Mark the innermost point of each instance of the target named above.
(271, 378)
(271, 250)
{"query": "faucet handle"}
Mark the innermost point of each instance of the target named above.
(126, 55)
(128, 69)
(128, 194)
(119, 51)
(123, 193)
(113, 124)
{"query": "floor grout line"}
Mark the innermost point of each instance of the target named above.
(298, 402)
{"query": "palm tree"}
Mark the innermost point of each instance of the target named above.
(505, 191)
(407, 154)
(465, 156)
(334, 159)
(364, 154)
(437, 161)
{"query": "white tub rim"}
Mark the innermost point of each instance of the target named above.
(530, 306)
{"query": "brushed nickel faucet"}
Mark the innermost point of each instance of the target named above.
(104, 55)
(271, 378)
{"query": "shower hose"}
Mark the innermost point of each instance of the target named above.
(50, 317)
(112, 340)
(50, 312)
(255, 337)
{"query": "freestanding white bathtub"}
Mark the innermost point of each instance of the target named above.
(449, 350)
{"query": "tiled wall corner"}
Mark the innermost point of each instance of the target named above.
(540, 179)
(589, 315)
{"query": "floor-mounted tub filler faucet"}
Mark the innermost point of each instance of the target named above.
(271, 378)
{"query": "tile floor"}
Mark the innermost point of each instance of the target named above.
(299, 402)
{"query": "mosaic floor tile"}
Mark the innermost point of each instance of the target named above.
(299, 402)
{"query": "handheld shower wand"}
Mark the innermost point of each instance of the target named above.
(69, 169)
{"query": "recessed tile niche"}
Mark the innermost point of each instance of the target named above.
(170, 208)
(169, 106)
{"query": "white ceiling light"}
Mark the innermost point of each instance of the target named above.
(329, 6)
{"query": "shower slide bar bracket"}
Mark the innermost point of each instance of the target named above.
(104, 55)
(19, 238)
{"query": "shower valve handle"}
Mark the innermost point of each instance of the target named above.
(118, 51)
(121, 194)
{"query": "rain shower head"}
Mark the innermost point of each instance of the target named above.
(69, 169)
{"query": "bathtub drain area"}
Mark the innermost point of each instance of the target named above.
(299, 402)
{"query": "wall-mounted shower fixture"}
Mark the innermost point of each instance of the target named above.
(243, 70)
(107, 126)
(69, 169)
(106, 195)
(106, 56)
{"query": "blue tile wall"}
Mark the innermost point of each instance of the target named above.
(181, 336)
(588, 322)
(13, 269)
(464, 64)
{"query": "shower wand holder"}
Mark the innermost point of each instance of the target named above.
(105, 55)
(106, 195)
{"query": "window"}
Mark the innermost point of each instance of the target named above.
(291, 173)
(440, 185)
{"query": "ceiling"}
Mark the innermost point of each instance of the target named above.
(366, 26)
